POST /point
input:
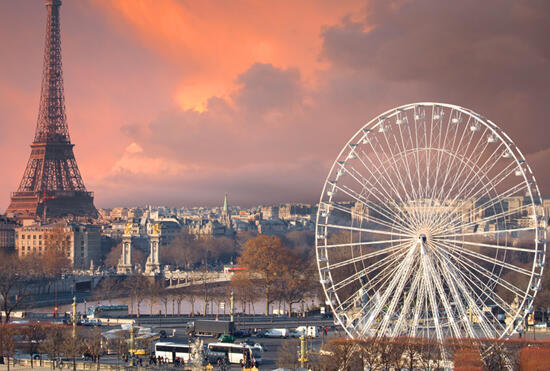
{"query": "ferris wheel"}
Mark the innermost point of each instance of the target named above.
(430, 225)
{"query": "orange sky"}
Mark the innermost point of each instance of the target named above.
(214, 41)
(176, 102)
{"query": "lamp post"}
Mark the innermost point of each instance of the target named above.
(74, 317)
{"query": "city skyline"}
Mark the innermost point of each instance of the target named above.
(185, 106)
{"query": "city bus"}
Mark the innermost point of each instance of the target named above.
(233, 268)
(169, 351)
(233, 353)
(107, 311)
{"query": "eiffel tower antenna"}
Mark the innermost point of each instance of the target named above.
(52, 185)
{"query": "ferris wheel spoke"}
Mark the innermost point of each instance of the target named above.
(402, 272)
(464, 165)
(497, 232)
(388, 261)
(379, 281)
(407, 304)
(486, 181)
(440, 153)
(417, 157)
(490, 275)
(436, 274)
(453, 278)
(408, 197)
(488, 204)
(392, 215)
(485, 258)
(496, 218)
(451, 159)
(418, 305)
(375, 231)
(360, 258)
(397, 225)
(452, 217)
(431, 298)
(481, 285)
(386, 178)
(368, 243)
(348, 191)
(404, 151)
(405, 274)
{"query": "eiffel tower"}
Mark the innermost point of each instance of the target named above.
(52, 186)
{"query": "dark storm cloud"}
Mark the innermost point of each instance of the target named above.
(274, 138)
(491, 56)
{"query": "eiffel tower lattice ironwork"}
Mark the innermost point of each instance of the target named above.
(52, 185)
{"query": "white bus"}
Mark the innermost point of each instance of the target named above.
(170, 351)
(232, 353)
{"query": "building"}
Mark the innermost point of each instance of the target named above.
(7, 233)
(272, 227)
(270, 212)
(81, 243)
(293, 211)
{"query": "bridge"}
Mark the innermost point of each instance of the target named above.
(181, 279)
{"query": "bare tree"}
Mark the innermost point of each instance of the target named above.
(108, 288)
(32, 334)
(53, 344)
(137, 286)
(7, 343)
(72, 347)
(152, 292)
(13, 283)
(341, 354)
(93, 342)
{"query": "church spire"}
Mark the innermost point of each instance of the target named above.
(225, 203)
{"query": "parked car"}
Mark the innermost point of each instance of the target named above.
(260, 347)
(275, 333)
(226, 338)
(307, 331)
(242, 333)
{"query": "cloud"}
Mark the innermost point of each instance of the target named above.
(189, 100)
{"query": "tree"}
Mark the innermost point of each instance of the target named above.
(7, 343)
(152, 291)
(265, 257)
(108, 288)
(13, 285)
(244, 288)
(72, 347)
(57, 252)
(53, 344)
(183, 251)
(191, 293)
(137, 286)
(297, 281)
(93, 343)
(113, 257)
(32, 334)
(341, 354)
